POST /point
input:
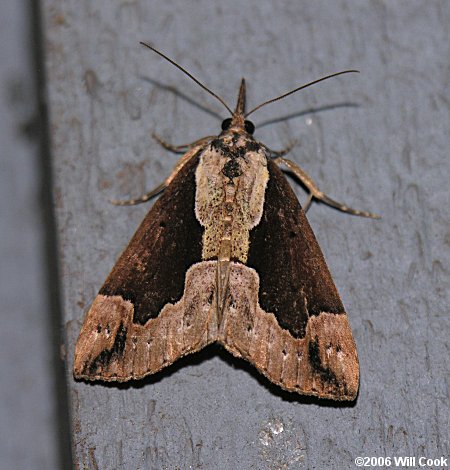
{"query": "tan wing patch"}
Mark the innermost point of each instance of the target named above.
(112, 347)
(324, 363)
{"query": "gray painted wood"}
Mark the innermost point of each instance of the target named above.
(32, 378)
(378, 141)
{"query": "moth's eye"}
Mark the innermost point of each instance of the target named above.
(249, 127)
(226, 124)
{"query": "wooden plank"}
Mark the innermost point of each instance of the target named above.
(378, 141)
(34, 428)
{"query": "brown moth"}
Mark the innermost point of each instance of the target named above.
(225, 255)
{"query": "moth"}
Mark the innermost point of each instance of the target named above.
(225, 255)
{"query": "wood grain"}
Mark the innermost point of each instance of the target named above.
(377, 140)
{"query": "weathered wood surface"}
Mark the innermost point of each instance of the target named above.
(378, 141)
(32, 403)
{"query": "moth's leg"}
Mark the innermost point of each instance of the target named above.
(283, 152)
(161, 187)
(143, 198)
(180, 149)
(314, 191)
(308, 202)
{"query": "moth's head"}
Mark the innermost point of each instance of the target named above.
(238, 122)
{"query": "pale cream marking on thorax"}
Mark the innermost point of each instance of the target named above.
(228, 208)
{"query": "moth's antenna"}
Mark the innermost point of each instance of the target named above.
(300, 88)
(188, 74)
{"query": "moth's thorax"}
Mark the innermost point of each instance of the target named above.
(236, 138)
(231, 181)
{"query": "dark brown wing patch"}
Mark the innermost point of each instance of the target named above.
(151, 271)
(295, 282)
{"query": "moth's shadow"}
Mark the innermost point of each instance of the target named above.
(183, 96)
(287, 117)
(305, 112)
(215, 350)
